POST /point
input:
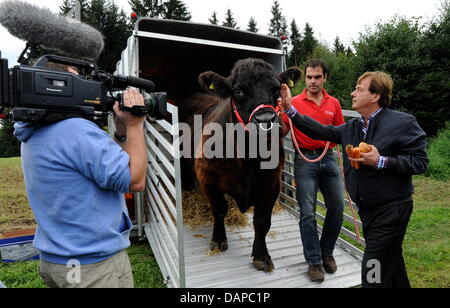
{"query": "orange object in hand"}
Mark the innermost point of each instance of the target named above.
(349, 149)
(364, 147)
(355, 152)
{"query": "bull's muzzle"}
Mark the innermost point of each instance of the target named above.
(266, 119)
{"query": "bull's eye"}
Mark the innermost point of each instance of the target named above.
(238, 92)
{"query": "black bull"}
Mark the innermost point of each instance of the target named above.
(252, 83)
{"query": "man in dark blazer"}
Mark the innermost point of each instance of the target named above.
(382, 187)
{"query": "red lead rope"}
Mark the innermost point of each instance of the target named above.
(294, 141)
(350, 202)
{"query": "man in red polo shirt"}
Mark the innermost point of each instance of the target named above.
(324, 175)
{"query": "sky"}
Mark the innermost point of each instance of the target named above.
(328, 18)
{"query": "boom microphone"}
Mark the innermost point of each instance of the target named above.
(40, 26)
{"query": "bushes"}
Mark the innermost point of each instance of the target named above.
(9, 144)
(417, 58)
(439, 155)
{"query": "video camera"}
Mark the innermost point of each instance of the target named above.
(39, 95)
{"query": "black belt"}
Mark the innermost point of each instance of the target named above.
(316, 152)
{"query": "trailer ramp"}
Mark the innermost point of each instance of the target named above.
(233, 268)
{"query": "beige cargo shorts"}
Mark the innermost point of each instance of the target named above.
(114, 272)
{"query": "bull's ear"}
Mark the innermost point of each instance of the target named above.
(291, 76)
(214, 83)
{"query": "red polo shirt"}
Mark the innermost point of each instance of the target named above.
(328, 113)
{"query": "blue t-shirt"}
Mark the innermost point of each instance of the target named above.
(75, 177)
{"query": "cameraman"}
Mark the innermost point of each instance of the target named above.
(75, 177)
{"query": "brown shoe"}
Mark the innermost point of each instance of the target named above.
(329, 264)
(316, 273)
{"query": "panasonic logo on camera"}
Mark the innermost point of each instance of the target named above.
(54, 90)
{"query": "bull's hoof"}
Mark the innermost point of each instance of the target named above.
(264, 265)
(221, 246)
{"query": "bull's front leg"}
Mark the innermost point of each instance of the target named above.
(219, 207)
(261, 222)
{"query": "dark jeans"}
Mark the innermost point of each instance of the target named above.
(324, 175)
(384, 230)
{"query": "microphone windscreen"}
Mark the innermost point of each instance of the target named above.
(43, 27)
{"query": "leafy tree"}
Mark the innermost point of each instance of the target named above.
(175, 10)
(278, 24)
(213, 20)
(252, 25)
(433, 90)
(229, 20)
(294, 58)
(417, 58)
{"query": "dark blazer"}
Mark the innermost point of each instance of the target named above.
(396, 135)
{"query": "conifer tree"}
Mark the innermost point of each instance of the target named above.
(338, 47)
(229, 20)
(67, 5)
(214, 20)
(309, 42)
(106, 17)
(294, 58)
(146, 8)
(253, 25)
(175, 10)
(278, 25)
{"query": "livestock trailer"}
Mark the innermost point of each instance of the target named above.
(172, 54)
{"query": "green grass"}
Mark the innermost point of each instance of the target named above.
(427, 242)
(146, 272)
(14, 210)
(21, 275)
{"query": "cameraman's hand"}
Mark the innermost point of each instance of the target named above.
(130, 98)
(135, 144)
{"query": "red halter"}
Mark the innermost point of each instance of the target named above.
(239, 118)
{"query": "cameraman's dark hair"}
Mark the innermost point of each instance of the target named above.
(62, 67)
(57, 66)
(318, 63)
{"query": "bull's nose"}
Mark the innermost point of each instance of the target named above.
(266, 117)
